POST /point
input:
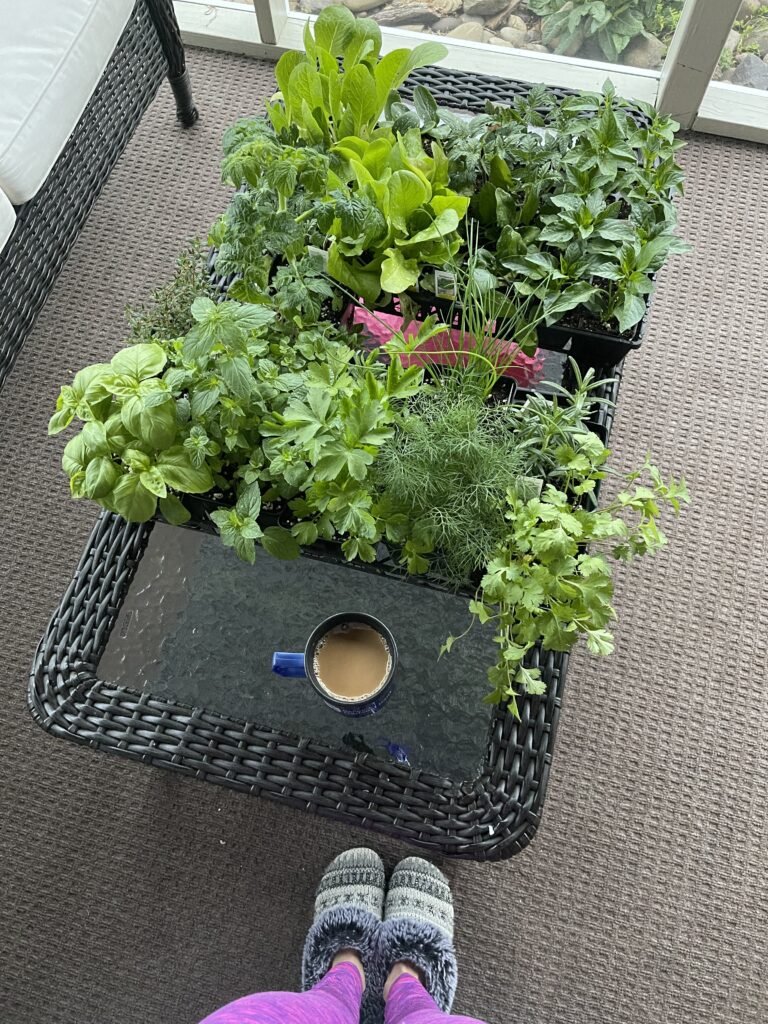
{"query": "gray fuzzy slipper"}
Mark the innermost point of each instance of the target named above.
(348, 909)
(418, 928)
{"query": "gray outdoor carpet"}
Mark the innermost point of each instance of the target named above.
(132, 896)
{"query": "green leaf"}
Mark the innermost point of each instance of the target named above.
(173, 511)
(390, 72)
(425, 105)
(357, 279)
(249, 502)
(60, 421)
(305, 88)
(156, 426)
(631, 312)
(136, 460)
(140, 361)
(422, 56)
(364, 43)
(406, 193)
(530, 680)
(444, 224)
(358, 94)
(94, 435)
(202, 308)
(100, 477)
(178, 472)
(132, 500)
(279, 542)
(600, 641)
(397, 273)
(86, 384)
(152, 479)
(334, 28)
(285, 66)
(358, 547)
(305, 533)
(204, 398)
(251, 315)
(236, 373)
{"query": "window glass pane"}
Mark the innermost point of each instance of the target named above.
(744, 60)
(635, 33)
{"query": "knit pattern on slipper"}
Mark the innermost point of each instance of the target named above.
(348, 908)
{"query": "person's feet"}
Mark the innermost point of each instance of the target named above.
(416, 937)
(348, 911)
(420, 891)
(399, 969)
(349, 956)
(353, 879)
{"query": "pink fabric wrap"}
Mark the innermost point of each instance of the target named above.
(379, 328)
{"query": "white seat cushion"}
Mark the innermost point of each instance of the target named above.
(7, 219)
(52, 55)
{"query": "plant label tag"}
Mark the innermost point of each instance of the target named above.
(313, 250)
(445, 284)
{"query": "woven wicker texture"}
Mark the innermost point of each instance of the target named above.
(137, 895)
(47, 226)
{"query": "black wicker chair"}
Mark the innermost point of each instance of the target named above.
(46, 227)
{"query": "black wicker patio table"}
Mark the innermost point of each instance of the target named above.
(160, 651)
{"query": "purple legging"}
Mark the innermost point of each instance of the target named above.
(336, 1000)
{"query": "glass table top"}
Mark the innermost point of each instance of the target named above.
(199, 627)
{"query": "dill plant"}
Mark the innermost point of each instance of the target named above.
(447, 469)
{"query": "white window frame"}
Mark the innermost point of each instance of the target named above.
(683, 87)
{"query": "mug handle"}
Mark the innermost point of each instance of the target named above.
(285, 663)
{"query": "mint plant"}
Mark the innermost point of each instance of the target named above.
(573, 198)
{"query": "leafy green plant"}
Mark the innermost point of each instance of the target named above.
(167, 314)
(543, 585)
(129, 453)
(258, 402)
(271, 405)
(324, 103)
(613, 24)
(664, 21)
(447, 469)
(381, 211)
(573, 198)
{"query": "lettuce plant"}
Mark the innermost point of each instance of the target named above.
(323, 102)
(380, 207)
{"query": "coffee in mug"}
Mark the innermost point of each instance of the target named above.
(350, 660)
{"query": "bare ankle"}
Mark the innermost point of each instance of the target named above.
(349, 956)
(398, 969)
